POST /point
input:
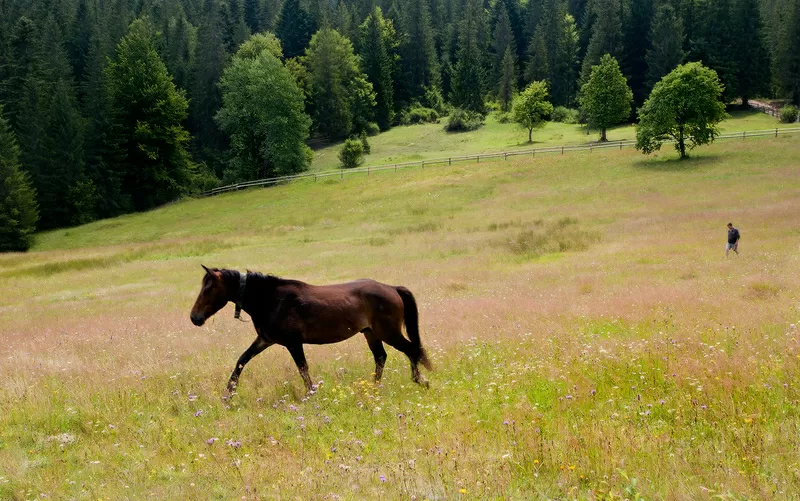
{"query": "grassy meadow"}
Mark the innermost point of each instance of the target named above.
(590, 339)
(429, 141)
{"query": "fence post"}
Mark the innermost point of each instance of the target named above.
(776, 132)
(479, 159)
(367, 171)
(620, 146)
(505, 156)
(315, 178)
(423, 164)
(562, 150)
(450, 160)
(591, 148)
(342, 174)
(743, 133)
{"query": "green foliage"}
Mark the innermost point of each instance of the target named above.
(751, 60)
(150, 111)
(256, 45)
(352, 153)
(461, 120)
(532, 107)
(377, 40)
(18, 208)
(789, 114)
(787, 53)
(565, 115)
(364, 143)
(419, 115)
(504, 58)
(666, 52)
(418, 52)
(294, 28)
(684, 106)
(341, 98)
(469, 76)
(606, 35)
(606, 98)
(263, 114)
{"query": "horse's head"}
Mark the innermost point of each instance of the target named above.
(212, 298)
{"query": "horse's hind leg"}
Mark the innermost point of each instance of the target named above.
(394, 338)
(299, 357)
(257, 347)
(376, 345)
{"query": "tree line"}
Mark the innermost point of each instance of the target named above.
(113, 106)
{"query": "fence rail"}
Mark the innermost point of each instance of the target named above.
(561, 150)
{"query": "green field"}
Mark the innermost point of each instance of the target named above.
(422, 142)
(590, 339)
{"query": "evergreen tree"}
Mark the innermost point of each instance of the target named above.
(751, 56)
(105, 160)
(376, 41)
(636, 24)
(179, 51)
(787, 64)
(712, 42)
(18, 89)
(504, 56)
(469, 76)
(508, 79)
(252, 15)
(211, 56)
(666, 50)
(538, 67)
(80, 39)
(418, 51)
(293, 28)
(18, 209)
(606, 35)
(341, 98)
(606, 97)
(565, 79)
(151, 112)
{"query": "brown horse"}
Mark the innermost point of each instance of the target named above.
(292, 313)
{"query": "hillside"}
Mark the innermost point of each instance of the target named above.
(585, 327)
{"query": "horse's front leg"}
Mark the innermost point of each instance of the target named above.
(299, 357)
(257, 347)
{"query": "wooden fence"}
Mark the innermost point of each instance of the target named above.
(551, 150)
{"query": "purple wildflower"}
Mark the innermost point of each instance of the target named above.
(292, 407)
(211, 440)
(569, 397)
(198, 413)
(233, 443)
(383, 478)
(594, 392)
(506, 422)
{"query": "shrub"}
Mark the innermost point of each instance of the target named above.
(372, 129)
(352, 153)
(365, 143)
(565, 115)
(461, 120)
(419, 115)
(434, 100)
(789, 114)
(504, 117)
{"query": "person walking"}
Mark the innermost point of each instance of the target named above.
(733, 240)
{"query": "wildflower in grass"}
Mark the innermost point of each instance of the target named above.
(292, 407)
(569, 397)
(192, 398)
(506, 422)
(382, 478)
(198, 413)
(572, 467)
(662, 401)
(233, 443)
(211, 440)
(462, 491)
(748, 420)
(326, 419)
(593, 392)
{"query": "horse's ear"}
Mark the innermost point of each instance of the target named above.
(207, 270)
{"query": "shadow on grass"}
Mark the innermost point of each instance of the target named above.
(671, 163)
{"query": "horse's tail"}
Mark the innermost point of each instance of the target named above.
(411, 319)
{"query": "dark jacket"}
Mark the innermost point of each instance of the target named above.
(733, 236)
